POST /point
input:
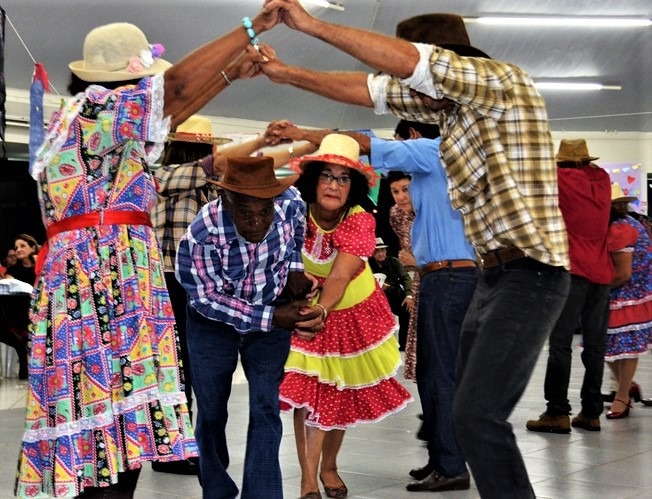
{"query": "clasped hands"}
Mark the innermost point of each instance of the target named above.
(303, 319)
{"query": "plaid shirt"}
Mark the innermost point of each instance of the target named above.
(183, 190)
(231, 280)
(496, 148)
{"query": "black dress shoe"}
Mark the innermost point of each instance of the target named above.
(421, 473)
(438, 483)
(185, 467)
(608, 397)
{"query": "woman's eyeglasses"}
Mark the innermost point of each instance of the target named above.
(327, 178)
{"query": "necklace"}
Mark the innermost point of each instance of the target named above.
(326, 224)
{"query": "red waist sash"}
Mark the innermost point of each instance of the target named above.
(93, 219)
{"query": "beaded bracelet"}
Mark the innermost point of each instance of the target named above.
(248, 26)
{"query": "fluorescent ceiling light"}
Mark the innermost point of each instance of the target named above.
(559, 85)
(601, 22)
(325, 3)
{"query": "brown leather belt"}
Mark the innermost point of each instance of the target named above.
(501, 256)
(446, 264)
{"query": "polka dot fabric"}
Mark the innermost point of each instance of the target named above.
(347, 374)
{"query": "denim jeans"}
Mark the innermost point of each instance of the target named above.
(512, 313)
(214, 349)
(587, 306)
(444, 297)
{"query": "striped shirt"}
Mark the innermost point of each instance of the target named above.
(234, 281)
(183, 190)
(496, 148)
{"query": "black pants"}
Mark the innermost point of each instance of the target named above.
(14, 319)
(179, 299)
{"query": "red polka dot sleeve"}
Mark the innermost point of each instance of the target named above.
(356, 235)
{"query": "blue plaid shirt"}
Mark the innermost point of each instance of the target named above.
(234, 281)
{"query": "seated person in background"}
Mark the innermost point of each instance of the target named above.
(8, 261)
(26, 249)
(15, 314)
(397, 287)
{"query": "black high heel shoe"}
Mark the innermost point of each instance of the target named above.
(608, 397)
(635, 391)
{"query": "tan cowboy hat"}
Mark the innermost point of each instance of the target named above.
(380, 244)
(618, 195)
(197, 129)
(337, 149)
(118, 52)
(253, 177)
(444, 30)
(574, 151)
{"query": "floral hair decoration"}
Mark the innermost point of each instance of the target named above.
(146, 58)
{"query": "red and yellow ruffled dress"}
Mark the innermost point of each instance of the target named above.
(347, 374)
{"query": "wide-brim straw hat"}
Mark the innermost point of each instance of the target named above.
(444, 30)
(253, 176)
(198, 130)
(337, 149)
(118, 52)
(574, 151)
(618, 195)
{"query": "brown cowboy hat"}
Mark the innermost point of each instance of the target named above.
(574, 151)
(444, 30)
(253, 177)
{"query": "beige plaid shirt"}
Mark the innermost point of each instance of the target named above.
(496, 148)
(183, 190)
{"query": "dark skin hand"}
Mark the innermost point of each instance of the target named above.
(298, 285)
(288, 315)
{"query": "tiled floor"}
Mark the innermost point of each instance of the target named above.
(374, 461)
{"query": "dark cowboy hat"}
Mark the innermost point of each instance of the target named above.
(574, 151)
(254, 177)
(444, 30)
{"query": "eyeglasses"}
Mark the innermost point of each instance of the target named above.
(327, 178)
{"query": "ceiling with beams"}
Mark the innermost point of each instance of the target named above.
(53, 31)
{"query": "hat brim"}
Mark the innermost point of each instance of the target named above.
(300, 164)
(566, 159)
(197, 138)
(382, 246)
(625, 199)
(80, 70)
(261, 192)
(464, 50)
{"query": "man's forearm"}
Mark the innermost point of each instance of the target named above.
(384, 53)
(350, 88)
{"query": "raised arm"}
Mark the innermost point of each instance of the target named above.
(197, 78)
(381, 52)
(348, 87)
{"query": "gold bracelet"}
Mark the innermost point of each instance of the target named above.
(324, 311)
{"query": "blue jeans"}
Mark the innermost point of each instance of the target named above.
(214, 347)
(587, 306)
(444, 297)
(512, 313)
